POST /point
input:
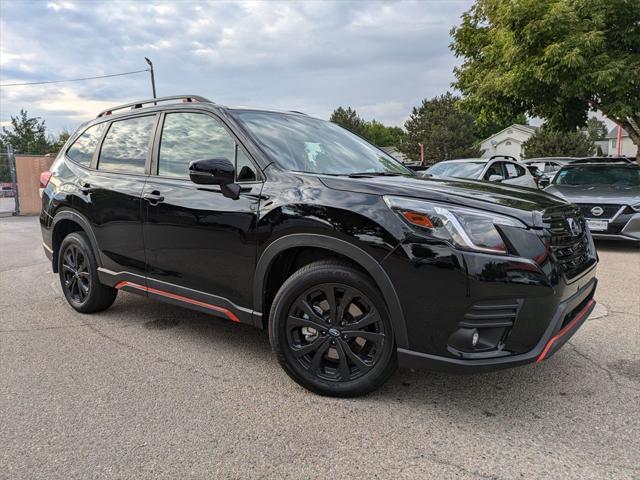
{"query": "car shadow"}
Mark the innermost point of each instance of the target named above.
(528, 389)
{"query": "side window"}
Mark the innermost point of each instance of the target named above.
(81, 151)
(245, 171)
(513, 170)
(551, 168)
(191, 136)
(126, 145)
(494, 169)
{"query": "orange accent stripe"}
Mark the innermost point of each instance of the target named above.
(174, 296)
(577, 318)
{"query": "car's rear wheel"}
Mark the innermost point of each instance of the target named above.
(78, 273)
(331, 331)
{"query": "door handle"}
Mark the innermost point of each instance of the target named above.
(153, 197)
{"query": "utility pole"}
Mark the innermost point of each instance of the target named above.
(153, 78)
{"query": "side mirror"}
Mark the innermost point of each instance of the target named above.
(215, 171)
(495, 178)
(544, 182)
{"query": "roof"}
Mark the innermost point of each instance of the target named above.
(524, 128)
(465, 160)
(613, 133)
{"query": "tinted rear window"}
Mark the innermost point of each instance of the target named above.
(126, 145)
(81, 151)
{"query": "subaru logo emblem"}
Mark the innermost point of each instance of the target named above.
(574, 226)
(597, 211)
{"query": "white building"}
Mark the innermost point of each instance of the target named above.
(508, 141)
(627, 148)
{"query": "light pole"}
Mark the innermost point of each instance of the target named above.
(153, 78)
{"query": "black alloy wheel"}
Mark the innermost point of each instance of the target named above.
(79, 279)
(331, 331)
(335, 332)
(75, 273)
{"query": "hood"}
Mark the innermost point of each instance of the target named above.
(613, 194)
(519, 202)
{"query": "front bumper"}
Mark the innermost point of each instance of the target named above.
(625, 226)
(569, 316)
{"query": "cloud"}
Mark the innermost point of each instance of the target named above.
(380, 57)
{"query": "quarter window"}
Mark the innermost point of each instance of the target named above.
(191, 136)
(245, 171)
(126, 146)
(81, 151)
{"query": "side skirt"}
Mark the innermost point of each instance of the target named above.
(177, 295)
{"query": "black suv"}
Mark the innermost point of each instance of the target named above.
(295, 225)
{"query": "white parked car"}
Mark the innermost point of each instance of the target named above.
(494, 169)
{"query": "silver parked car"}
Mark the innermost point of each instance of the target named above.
(608, 195)
(494, 169)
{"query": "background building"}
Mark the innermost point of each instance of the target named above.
(508, 141)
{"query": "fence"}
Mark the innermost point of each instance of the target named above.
(9, 201)
(20, 182)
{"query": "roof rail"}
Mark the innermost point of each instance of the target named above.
(296, 111)
(154, 101)
(509, 157)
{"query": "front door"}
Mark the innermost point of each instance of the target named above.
(200, 245)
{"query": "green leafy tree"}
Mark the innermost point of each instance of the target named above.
(555, 143)
(554, 59)
(348, 118)
(596, 129)
(27, 135)
(445, 130)
(56, 144)
(383, 136)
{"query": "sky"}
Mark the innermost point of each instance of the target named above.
(380, 57)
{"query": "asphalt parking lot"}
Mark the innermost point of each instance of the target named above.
(147, 389)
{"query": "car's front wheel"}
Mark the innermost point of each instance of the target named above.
(331, 331)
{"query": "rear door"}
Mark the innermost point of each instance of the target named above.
(201, 245)
(518, 175)
(113, 191)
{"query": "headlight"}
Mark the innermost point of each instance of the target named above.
(466, 228)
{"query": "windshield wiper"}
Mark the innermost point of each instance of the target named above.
(373, 174)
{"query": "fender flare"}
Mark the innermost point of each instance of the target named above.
(86, 227)
(349, 250)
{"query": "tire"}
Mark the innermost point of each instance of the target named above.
(77, 269)
(314, 337)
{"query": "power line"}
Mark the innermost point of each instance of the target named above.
(73, 79)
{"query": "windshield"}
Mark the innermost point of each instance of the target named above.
(305, 144)
(590, 175)
(457, 169)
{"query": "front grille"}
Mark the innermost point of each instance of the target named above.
(608, 211)
(568, 240)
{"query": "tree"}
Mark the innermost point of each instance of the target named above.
(348, 118)
(56, 144)
(383, 136)
(596, 129)
(27, 135)
(553, 59)
(547, 142)
(445, 130)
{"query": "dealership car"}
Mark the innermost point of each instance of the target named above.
(607, 193)
(549, 166)
(495, 169)
(292, 224)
